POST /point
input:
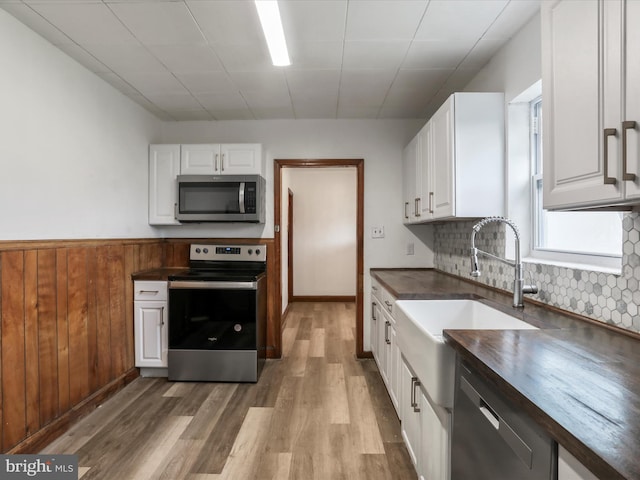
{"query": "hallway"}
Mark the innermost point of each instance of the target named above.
(318, 413)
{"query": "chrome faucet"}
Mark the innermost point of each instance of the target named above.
(519, 288)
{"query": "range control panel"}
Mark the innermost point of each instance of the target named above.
(229, 253)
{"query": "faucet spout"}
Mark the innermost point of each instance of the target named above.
(519, 288)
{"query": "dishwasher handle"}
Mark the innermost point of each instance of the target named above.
(511, 438)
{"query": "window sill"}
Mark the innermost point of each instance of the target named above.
(577, 265)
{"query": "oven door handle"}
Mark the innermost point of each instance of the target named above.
(241, 197)
(204, 285)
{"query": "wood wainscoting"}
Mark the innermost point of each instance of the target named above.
(66, 317)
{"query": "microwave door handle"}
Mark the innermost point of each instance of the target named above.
(241, 197)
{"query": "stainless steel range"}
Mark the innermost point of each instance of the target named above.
(218, 314)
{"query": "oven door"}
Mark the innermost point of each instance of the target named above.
(212, 315)
(217, 330)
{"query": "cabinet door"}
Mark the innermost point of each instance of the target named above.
(201, 159)
(410, 418)
(241, 159)
(408, 183)
(632, 94)
(383, 344)
(442, 194)
(164, 167)
(435, 428)
(573, 85)
(569, 468)
(376, 315)
(393, 366)
(150, 331)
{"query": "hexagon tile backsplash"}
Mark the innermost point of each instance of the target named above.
(609, 298)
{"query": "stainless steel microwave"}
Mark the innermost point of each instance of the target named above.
(220, 198)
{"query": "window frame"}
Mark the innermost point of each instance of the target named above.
(610, 263)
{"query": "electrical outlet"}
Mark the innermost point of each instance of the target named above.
(377, 232)
(410, 248)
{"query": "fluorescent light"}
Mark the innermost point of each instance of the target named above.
(269, 14)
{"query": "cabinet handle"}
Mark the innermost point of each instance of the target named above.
(417, 207)
(373, 311)
(374, 288)
(215, 167)
(161, 316)
(608, 132)
(406, 204)
(430, 202)
(222, 163)
(175, 211)
(414, 402)
(416, 383)
(155, 292)
(626, 125)
(386, 332)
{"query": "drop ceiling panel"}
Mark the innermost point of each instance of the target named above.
(436, 54)
(384, 19)
(36, 22)
(460, 19)
(316, 55)
(361, 88)
(207, 82)
(154, 83)
(86, 23)
(126, 58)
(200, 59)
(159, 23)
(314, 20)
(361, 55)
(227, 21)
(187, 58)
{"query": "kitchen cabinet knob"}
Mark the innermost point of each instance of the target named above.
(386, 332)
(430, 202)
(406, 205)
(626, 125)
(215, 167)
(608, 132)
(373, 310)
(222, 163)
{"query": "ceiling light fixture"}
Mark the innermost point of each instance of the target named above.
(269, 14)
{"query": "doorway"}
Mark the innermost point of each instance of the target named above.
(279, 165)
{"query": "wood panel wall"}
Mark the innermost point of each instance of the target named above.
(66, 327)
(66, 319)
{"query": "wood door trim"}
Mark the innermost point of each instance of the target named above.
(278, 165)
(290, 247)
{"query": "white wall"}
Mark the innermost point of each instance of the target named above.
(73, 153)
(324, 226)
(378, 142)
(514, 69)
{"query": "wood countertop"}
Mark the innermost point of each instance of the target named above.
(157, 274)
(576, 378)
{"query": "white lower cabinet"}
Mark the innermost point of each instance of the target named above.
(151, 324)
(426, 428)
(384, 343)
(569, 468)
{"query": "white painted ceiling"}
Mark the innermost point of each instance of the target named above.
(207, 59)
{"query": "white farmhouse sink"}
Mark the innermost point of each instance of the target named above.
(419, 330)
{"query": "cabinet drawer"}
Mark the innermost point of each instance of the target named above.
(149, 290)
(388, 301)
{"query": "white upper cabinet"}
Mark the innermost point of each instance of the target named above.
(411, 176)
(460, 166)
(164, 167)
(201, 159)
(221, 159)
(591, 92)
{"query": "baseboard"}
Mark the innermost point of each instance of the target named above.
(43, 437)
(323, 298)
(285, 314)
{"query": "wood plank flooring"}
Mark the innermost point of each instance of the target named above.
(318, 413)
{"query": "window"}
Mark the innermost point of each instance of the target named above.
(594, 238)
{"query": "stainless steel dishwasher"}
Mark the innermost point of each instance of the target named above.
(492, 439)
